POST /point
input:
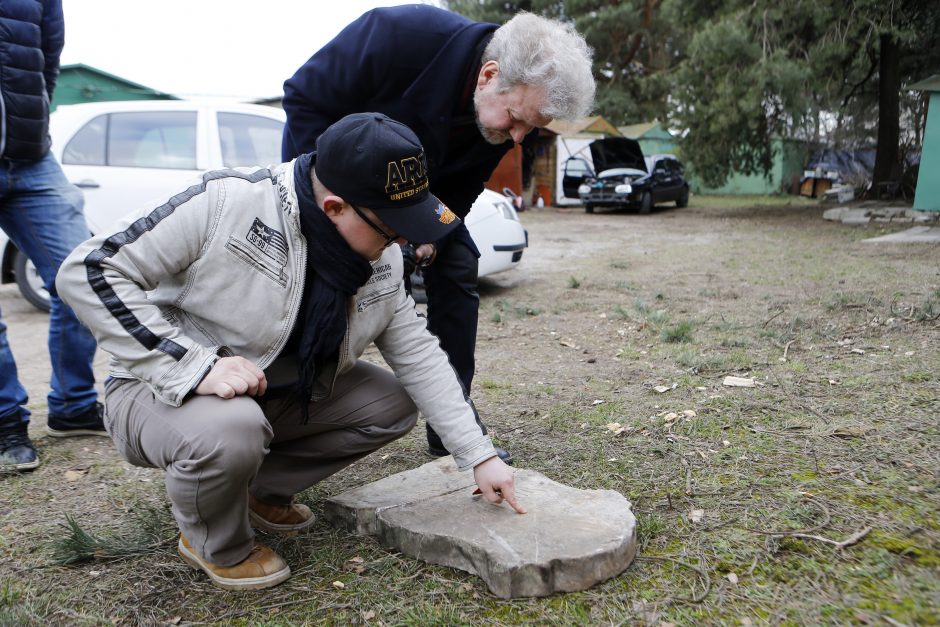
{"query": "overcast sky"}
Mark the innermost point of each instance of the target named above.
(243, 49)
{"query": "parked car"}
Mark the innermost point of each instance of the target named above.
(126, 155)
(627, 179)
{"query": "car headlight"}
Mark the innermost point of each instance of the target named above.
(623, 189)
(584, 189)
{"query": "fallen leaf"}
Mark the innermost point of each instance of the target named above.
(858, 351)
(385, 456)
(616, 428)
(688, 413)
(661, 389)
(339, 585)
(598, 401)
(356, 560)
(670, 417)
(94, 573)
(74, 475)
(738, 382)
(368, 615)
(725, 443)
(732, 578)
(696, 515)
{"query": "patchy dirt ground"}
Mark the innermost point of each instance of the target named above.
(809, 498)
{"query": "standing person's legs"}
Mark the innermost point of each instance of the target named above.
(368, 409)
(211, 449)
(453, 309)
(16, 450)
(42, 214)
(13, 397)
(453, 305)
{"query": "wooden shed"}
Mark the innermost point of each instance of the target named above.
(535, 175)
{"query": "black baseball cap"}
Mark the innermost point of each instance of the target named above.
(372, 161)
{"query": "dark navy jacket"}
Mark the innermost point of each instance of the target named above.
(32, 33)
(411, 63)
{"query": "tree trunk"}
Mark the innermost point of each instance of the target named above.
(889, 95)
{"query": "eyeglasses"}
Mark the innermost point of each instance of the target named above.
(389, 239)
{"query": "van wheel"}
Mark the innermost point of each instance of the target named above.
(29, 282)
(646, 203)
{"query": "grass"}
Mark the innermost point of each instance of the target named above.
(677, 333)
(827, 444)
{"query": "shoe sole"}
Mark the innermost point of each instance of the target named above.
(74, 433)
(252, 583)
(286, 531)
(4, 467)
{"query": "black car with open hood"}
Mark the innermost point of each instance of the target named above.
(626, 179)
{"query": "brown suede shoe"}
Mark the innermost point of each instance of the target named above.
(263, 568)
(284, 520)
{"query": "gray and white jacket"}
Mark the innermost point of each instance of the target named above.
(219, 270)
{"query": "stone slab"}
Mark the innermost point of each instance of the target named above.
(917, 234)
(835, 213)
(570, 540)
(856, 216)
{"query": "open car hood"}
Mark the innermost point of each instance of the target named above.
(617, 152)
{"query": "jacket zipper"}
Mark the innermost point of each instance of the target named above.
(3, 124)
(367, 302)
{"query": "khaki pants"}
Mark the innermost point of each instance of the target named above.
(215, 450)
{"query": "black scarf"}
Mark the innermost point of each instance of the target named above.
(334, 273)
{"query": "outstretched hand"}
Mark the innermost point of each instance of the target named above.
(231, 377)
(494, 478)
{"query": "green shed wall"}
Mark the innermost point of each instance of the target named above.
(788, 160)
(927, 194)
(657, 146)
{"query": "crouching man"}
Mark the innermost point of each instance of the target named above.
(235, 314)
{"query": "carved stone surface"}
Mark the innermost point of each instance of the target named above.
(570, 540)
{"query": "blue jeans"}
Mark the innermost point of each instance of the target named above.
(41, 212)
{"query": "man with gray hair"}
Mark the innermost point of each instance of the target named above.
(468, 90)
